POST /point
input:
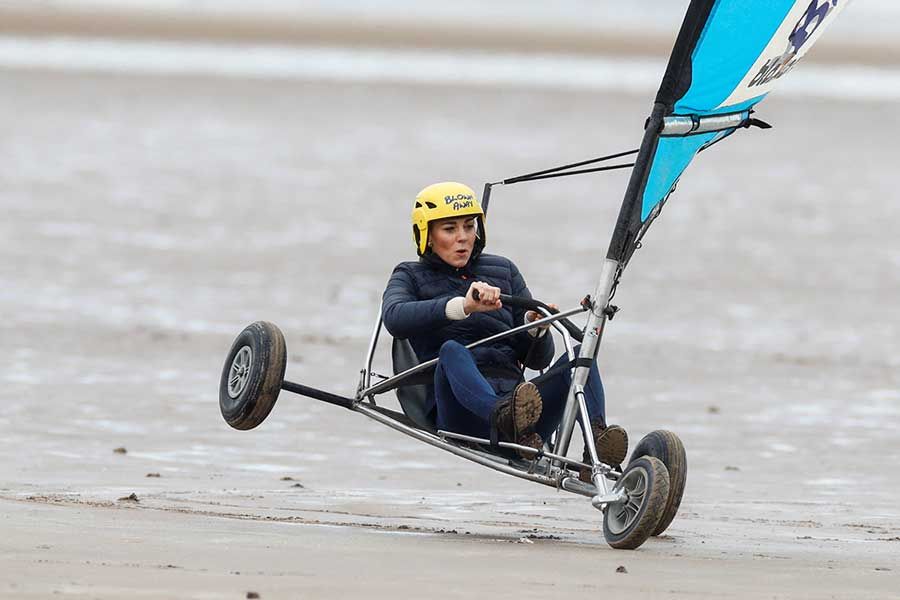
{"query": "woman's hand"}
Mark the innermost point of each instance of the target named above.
(534, 316)
(488, 298)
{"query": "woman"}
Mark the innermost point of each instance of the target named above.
(431, 302)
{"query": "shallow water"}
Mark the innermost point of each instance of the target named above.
(492, 69)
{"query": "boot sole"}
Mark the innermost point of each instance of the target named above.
(612, 445)
(527, 408)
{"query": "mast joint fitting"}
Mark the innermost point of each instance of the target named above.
(587, 303)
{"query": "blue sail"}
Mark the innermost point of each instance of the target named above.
(743, 49)
(728, 56)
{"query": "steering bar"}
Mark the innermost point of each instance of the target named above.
(537, 305)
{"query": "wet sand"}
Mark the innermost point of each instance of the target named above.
(148, 219)
(149, 553)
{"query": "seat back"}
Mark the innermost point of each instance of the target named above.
(413, 398)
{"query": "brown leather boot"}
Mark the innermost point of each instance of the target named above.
(612, 447)
(517, 415)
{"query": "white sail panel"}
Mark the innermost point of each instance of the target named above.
(799, 30)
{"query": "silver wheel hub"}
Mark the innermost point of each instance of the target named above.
(239, 374)
(622, 515)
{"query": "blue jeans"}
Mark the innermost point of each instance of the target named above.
(465, 398)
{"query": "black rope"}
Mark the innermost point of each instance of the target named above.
(545, 172)
(566, 174)
(714, 142)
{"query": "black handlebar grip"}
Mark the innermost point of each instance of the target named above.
(537, 305)
(521, 301)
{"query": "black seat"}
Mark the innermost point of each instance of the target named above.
(413, 397)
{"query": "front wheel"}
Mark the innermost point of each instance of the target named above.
(628, 524)
(252, 375)
(667, 447)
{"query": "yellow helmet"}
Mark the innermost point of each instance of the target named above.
(444, 200)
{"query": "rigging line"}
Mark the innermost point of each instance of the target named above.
(566, 174)
(536, 174)
(714, 142)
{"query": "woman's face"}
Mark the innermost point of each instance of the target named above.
(453, 240)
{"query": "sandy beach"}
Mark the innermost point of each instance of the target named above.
(148, 218)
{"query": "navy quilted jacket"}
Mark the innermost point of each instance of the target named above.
(413, 308)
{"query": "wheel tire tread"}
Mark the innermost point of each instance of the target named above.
(643, 528)
(667, 447)
(268, 366)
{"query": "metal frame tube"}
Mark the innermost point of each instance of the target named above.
(389, 384)
(585, 418)
(589, 347)
(473, 456)
(570, 355)
(468, 438)
(477, 440)
(598, 471)
(567, 339)
(370, 354)
(317, 394)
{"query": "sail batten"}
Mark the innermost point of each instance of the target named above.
(694, 124)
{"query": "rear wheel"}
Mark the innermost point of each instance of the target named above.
(252, 375)
(666, 446)
(627, 525)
